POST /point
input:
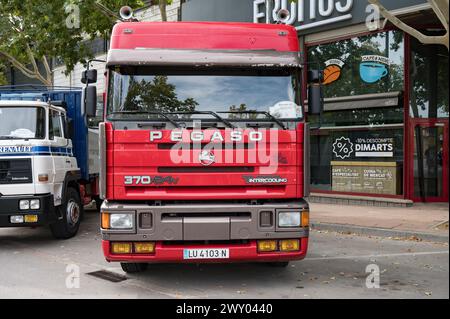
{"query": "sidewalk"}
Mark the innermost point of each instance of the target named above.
(421, 221)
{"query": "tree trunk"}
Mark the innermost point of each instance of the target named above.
(163, 9)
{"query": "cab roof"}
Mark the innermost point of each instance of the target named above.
(204, 36)
(21, 103)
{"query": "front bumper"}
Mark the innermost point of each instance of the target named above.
(9, 206)
(176, 227)
(238, 253)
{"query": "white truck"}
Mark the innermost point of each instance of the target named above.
(45, 176)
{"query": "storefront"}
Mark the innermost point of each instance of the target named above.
(384, 129)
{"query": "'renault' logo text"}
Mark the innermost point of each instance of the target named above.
(15, 149)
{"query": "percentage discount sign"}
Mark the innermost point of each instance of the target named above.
(343, 148)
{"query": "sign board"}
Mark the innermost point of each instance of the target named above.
(366, 177)
(307, 16)
(366, 147)
(317, 13)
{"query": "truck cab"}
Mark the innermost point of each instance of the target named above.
(204, 153)
(40, 177)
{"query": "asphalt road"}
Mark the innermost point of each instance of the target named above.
(33, 265)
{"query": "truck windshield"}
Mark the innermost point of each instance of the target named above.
(22, 123)
(235, 94)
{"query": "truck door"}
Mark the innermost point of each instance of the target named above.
(58, 145)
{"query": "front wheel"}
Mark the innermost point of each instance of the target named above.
(71, 212)
(132, 268)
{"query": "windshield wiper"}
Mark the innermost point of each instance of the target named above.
(7, 137)
(218, 117)
(177, 125)
(270, 116)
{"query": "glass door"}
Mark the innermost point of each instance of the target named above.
(430, 160)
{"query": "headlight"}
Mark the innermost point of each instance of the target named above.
(24, 204)
(35, 204)
(289, 219)
(121, 221)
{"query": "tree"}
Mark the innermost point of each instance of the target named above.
(440, 8)
(34, 32)
(162, 4)
(155, 95)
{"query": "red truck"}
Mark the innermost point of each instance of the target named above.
(204, 151)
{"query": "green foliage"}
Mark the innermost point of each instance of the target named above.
(42, 27)
(156, 95)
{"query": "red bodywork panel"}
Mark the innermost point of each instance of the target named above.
(204, 36)
(238, 252)
(131, 153)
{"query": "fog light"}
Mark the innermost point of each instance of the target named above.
(290, 245)
(35, 204)
(31, 218)
(24, 204)
(144, 248)
(16, 219)
(267, 245)
(121, 248)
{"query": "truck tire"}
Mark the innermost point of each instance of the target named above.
(71, 212)
(132, 268)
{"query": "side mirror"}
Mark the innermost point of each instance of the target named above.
(315, 93)
(89, 76)
(90, 96)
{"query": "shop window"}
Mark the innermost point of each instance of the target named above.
(357, 143)
(368, 64)
(359, 160)
(429, 81)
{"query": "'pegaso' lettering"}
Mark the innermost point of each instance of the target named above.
(216, 136)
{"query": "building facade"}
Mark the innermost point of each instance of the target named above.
(384, 130)
(383, 135)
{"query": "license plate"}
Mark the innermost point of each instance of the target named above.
(210, 253)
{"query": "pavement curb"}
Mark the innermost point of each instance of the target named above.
(380, 232)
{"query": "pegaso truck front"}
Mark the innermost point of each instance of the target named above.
(204, 153)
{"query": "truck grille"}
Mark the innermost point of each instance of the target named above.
(16, 171)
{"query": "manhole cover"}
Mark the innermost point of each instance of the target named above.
(107, 275)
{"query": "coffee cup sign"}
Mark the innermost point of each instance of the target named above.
(373, 68)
